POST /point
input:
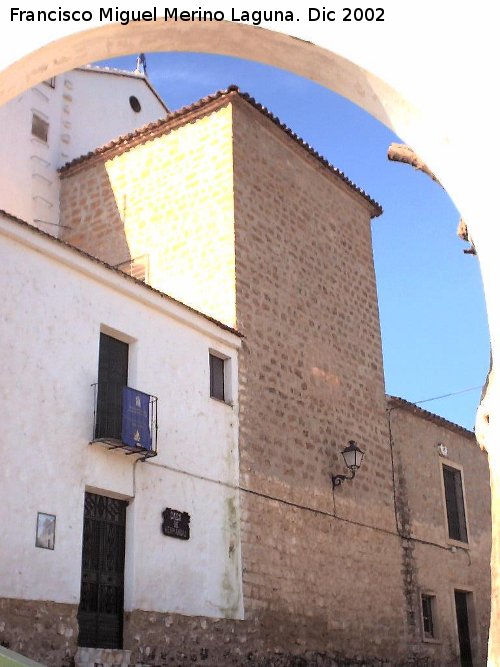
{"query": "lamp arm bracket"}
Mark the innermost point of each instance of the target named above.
(337, 480)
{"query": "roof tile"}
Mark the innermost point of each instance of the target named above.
(397, 402)
(147, 132)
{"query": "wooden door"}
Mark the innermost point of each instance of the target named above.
(112, 377)
(463, 629)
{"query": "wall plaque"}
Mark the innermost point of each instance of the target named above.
(45, 530)
(175, 523)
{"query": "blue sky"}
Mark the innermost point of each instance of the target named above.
(434, 330)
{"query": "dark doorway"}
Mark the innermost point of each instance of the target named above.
(463, 628)
(100, 615)
(112, 378)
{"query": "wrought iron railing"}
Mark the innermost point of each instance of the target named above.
(125, 418)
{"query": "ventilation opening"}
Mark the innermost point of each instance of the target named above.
(134, 103)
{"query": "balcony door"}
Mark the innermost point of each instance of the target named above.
(100, 614)
(112, 378)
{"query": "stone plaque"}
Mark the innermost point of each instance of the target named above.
(175, 523)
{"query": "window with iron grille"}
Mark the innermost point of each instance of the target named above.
(455, 507)
(39, 128)
(428, 615)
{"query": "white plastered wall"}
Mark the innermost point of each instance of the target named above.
(82, 115)
(55, 303)
(97, 117)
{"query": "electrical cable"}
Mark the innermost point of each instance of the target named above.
(289, 503)
(453, 393)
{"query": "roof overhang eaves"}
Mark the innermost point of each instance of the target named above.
(201, 107)
(397, 402)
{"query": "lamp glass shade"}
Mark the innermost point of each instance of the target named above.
(352, 455)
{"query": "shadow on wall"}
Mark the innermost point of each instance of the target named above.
(93, 219)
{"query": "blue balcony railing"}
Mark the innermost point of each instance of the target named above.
(125, 418)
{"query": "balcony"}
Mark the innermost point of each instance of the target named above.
(126, 419)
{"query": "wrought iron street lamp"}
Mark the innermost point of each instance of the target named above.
(352, 456)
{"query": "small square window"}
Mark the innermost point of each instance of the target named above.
(217, 379)
(429, 616)
(40, 128)
(455, 507)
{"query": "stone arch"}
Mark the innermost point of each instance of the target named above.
(326, 67)
(303, 58)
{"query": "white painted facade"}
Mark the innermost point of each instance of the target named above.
(49, 362)
(81, 115)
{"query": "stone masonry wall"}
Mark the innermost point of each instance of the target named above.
(311, 379)
(219, 642)
(47, 632)
(44, 631)
(170, 199)
(443, 565)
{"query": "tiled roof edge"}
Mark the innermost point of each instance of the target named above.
(430, 416)
(143, 132)
(156, 127)
(144, 285)
(312, 151)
